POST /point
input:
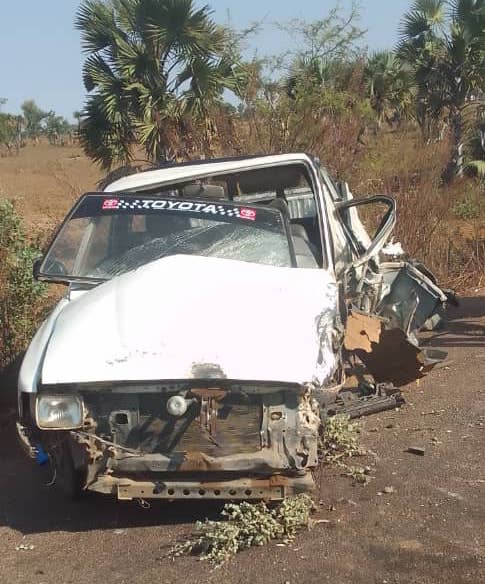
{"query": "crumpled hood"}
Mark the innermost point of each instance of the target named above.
(185, 317)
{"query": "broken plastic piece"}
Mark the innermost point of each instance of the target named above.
(41, 456)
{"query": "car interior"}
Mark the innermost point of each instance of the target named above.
(288, 185)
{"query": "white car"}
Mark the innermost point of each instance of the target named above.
(202, 335)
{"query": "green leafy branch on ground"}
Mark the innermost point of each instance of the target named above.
(339, 440)
(246, 525)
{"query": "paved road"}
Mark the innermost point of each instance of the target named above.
(431, 529)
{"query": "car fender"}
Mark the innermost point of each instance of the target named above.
(31, 368)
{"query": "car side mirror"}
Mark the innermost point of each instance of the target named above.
(36, 268)
(365, 246)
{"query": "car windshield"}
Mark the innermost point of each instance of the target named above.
(108, 235)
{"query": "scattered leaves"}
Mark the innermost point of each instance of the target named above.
(359, 475)
(339, 440)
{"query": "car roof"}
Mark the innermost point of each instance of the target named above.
(192, 170)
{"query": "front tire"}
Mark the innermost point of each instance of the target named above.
(69, 479)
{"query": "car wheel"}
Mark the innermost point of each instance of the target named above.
(69, 479)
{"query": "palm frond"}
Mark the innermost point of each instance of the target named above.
(108, 143)
(469, 13)
(125, 14)
(97, 72)
(425, 19)
(150, 62)
(95, 19)
(179, 28)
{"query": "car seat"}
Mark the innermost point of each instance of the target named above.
(305, 258)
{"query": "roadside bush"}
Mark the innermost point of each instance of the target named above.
(467, 209)
(21, 297)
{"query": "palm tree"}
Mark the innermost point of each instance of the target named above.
(150, 64)
(389, 85)
(444, 42)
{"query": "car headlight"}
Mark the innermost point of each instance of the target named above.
(59, 412)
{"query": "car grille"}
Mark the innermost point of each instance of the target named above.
(141, 421)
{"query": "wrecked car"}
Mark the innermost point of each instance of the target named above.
(214, 313)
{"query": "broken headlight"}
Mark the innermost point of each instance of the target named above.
(59, 412)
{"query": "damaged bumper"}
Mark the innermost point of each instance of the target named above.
(273, 488)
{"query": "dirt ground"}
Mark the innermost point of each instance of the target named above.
(431, 529)
(44, 181)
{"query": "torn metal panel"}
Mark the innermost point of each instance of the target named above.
(410, 296)
(362, 331)
(394, 359)
(388, 354)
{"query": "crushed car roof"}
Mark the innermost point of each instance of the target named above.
(153, 178)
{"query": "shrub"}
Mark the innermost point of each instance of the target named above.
(21, 297)
(467, 209)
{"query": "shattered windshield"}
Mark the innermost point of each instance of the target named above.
(106, 236)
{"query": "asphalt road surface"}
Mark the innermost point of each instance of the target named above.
(430, 528)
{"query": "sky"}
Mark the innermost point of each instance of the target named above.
(41, 58)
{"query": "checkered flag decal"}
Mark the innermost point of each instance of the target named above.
(234, 212)
(129, 204)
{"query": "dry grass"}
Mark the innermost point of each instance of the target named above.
(44, 181)
(428, 224)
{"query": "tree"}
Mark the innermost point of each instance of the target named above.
(77, 115)
(329, 39)
(151, 64)
(444, 43)
(55, 127)
(474, 121)
(10, 129)
(325, 54)
(7, 129)
(33, 118)
(389, 86)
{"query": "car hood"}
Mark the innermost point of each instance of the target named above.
(186, 317)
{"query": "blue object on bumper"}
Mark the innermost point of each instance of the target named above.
(41, 455)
